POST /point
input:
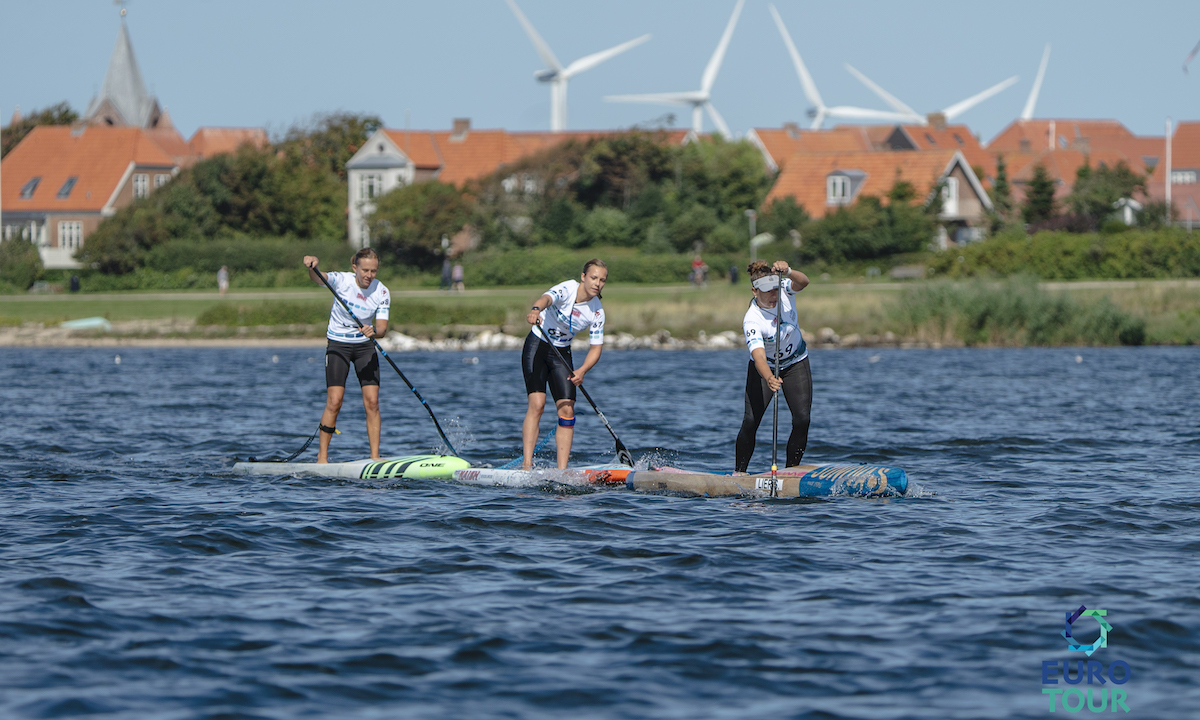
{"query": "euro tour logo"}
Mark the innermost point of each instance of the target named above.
(1097, 696)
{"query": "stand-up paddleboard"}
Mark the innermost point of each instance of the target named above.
(799, 481)
(411, 467)
(598, 475)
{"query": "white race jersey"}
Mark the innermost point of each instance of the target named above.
(759, 327)
(368, 305)
(565, 317)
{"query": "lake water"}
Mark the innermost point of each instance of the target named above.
(142, 580)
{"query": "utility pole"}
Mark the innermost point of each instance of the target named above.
(753, 250)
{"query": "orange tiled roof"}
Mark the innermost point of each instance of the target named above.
(782, 143)
(1037, 132)
(1061, 165)
(954, 137)
(209, 141)
(804, 175)
(98, 156)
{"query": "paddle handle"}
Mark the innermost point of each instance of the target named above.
(436, 424)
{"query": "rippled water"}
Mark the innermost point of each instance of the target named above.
(142, 580)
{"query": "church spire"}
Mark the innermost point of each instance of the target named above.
(123, 100)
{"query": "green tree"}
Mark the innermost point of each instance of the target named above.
(1001, 194)
(1040, 203)
(329, 140)
(781, 216)
(11, 136)
(20, 263)
(1097, 190)
(408, 222)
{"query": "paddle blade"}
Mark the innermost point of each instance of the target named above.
(623, 455)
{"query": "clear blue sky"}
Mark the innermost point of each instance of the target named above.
(272, 63)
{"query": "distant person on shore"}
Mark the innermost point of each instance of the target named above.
(349, 344)
(699, 271)
(222, 280)
(795, 376)
(565, 309)
(456, 278)
(733, 274)
(445, 284)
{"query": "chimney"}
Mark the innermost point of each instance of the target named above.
(462, 126)
(937, 120)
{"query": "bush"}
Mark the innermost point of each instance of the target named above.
(1070, 256)
(546, 266)
(20, 263)
(246, 254)
(1015, 312)
(606, 226)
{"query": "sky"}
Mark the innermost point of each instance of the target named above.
(275, 63)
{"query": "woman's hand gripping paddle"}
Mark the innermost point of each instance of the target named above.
(383, 352)
(623, 455)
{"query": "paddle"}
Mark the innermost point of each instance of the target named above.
(775, 419)
(623, 455)
(383, 352)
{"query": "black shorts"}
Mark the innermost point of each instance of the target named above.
(339, 356)
(542, 366)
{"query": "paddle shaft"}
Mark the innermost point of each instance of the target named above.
(391, 362)
(775, 418)
(623, 455)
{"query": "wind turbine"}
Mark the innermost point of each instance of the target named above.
(700, 100)
(948, 113)
(557, 75)
(819, 112)
(1031, 103)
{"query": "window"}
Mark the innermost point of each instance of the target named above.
(64, 192)
(509, 184)
(30, 187)
(70, 234)
(369, 186)
(1183, 177)
(958, 139)
(531, 186)
(930, 139)
(161, 179)
(141, 185)
(837, 189)
(950, 196)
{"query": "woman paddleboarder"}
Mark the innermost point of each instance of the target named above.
(562, 311)
(349, 343)
(774, 284)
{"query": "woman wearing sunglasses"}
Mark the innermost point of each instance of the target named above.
(765, 326)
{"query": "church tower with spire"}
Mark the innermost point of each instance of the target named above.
(123, 100)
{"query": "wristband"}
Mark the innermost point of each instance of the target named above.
(535, 307)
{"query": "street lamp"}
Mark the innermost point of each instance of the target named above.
(753, 217)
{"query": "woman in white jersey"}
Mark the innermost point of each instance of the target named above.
(350, 343)
(563, 311)
(762, 334)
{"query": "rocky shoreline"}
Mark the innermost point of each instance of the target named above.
(184, 333)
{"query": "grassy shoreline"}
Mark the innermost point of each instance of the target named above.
(1169, 311)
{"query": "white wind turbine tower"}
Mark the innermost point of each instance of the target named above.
(1031, 103)
(819, 112)
(948, 113)
(700, 100)
(557, 75)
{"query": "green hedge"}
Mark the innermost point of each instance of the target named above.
(245, 254)
(549, 265)
(1068, 256)
(313, 313)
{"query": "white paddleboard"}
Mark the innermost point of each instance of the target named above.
(410, 467)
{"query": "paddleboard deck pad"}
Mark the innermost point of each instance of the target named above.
(410, 467)
(594, 475)
(799, 481)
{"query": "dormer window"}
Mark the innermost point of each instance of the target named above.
(64, 192)
(837, 190)
(1183, 177)
(29, 188)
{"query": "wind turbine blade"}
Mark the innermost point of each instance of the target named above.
(683, 98)
(959, 108)
(539, 44)
(714, 63)
(806, 81)
(718, 120)
(845, 112)
(590, 61)
(820, 118)
(887, 97)
(1031, 103)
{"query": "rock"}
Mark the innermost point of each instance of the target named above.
(826, 336)
(851, 340)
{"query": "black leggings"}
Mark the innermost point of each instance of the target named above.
(541, 367)
(797, 389)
